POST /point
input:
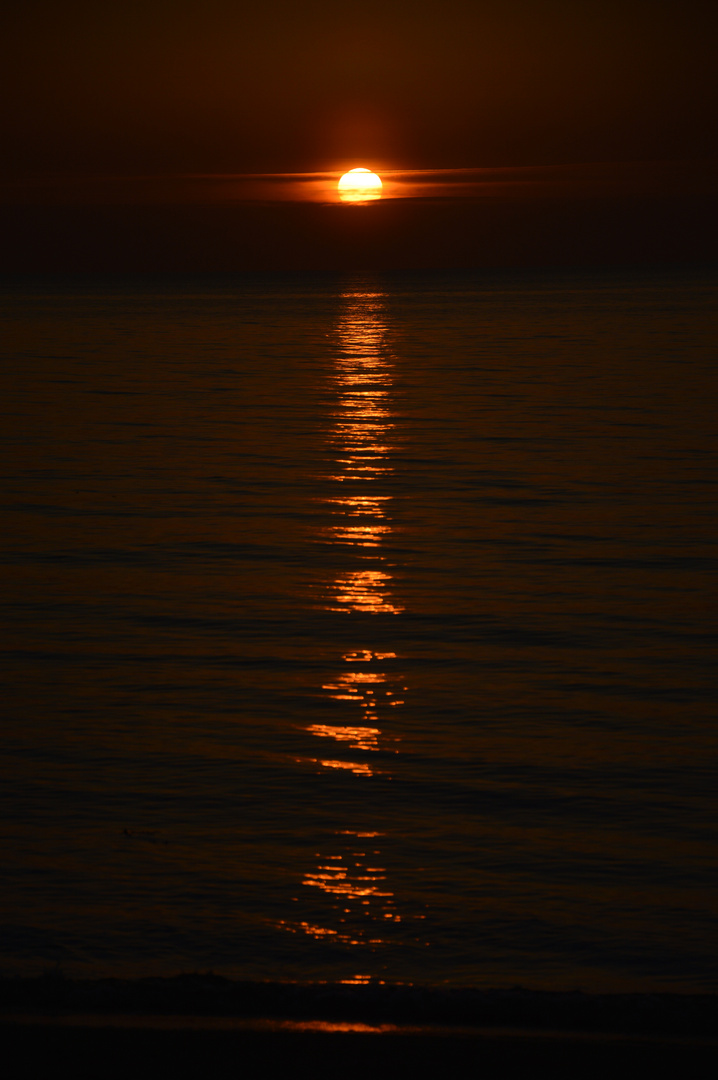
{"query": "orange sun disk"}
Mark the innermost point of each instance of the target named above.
(359, 185)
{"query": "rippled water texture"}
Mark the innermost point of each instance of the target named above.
(362, 629)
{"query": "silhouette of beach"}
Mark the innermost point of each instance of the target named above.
(206, 1024)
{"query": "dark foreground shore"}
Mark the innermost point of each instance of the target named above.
(205, 1025)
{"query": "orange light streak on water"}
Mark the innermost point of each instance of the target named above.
(361, 438)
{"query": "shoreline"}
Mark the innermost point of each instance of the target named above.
(207, 1000)
(207, 1025)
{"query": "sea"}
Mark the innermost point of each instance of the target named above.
(361, 628)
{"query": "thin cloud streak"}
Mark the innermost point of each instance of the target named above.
(526, 182)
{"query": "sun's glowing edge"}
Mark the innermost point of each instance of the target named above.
(359, 185)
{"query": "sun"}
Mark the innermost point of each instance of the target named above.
(359, 185)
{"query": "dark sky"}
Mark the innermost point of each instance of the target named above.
(179, 86)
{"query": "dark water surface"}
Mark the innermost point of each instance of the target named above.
(362, 629)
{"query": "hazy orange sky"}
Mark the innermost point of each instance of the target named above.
(223, 85)
(174, 87)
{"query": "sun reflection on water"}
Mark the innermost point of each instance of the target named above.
(359, 738)
(364, 590)
(353, 881)
(349, 875)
